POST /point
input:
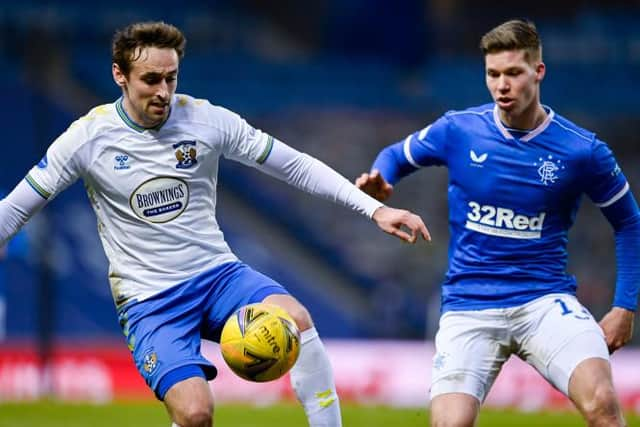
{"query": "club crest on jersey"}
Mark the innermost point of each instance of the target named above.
(548, 169)
(185, 154)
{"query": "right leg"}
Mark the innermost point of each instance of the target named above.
(471, 347)
(190, 403)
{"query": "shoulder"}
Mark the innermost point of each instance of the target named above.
(469, 118)
(86, 128)
(485, 110)
(198, 108)
(569, 129)
(477, 113)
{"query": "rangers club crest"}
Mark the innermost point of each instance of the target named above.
(548, 169)
(185, 154)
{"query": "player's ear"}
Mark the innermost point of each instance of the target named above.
(541, 70)
(118, 75)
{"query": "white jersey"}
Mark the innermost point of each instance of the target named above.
(154, 190)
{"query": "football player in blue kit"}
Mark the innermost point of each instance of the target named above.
(517, 171)
(149, 162)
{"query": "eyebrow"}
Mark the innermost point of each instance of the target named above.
(156, 73)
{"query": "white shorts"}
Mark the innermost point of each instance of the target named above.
(553, 334)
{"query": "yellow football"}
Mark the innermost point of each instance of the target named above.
(260, 342)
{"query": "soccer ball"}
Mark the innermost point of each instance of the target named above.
(260, 342)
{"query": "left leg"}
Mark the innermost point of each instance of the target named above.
(566, 345)
(591, 390)
(312, 375)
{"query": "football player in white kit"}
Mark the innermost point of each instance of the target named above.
(149, 162)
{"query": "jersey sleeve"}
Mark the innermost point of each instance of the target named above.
(606, 182)
(63, 163)
(243, 142)
(428, 147)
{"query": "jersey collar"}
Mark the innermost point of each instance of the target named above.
(133, 125)
(529, 136)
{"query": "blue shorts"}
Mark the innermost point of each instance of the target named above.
(164, 332)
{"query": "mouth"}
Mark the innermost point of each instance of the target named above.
(504, 102)
(158, 107)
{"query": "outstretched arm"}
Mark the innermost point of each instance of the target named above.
(315, 177)
(16, 209)
(617, 324)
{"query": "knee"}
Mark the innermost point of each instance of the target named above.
(195, 414)
(602, 406)
(454, 410)
(296, 310)
(301, 316)
(453, 420)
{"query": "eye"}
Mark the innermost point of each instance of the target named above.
(151, 80)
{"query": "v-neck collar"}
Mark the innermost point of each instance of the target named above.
(133, 125)
(531, 134)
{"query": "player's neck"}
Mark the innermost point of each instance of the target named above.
(526, 120)
(136, 118)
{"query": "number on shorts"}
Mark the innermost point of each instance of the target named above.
(566, 310)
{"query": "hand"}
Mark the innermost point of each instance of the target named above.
(374, 185)
(617, 325)
(393, 221)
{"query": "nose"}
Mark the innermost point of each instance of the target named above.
(163, 91)
(503, 84)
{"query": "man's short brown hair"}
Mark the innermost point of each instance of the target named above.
(516, 34)
(128, 42)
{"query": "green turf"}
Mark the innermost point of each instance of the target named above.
(49, 414)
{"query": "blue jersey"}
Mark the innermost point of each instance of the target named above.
(512, 198)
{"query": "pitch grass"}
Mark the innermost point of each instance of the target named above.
(51, 414)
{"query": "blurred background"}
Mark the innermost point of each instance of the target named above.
(336, 79)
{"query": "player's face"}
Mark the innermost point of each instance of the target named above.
(514, 83)
(150, 85)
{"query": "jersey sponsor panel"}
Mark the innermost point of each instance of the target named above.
(503, 222)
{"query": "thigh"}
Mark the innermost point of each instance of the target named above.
(240, 286)
(471, 347)
(592, 377)
(164, 334)
(557, 333)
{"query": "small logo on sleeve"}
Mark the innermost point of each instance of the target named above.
(43, 162)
